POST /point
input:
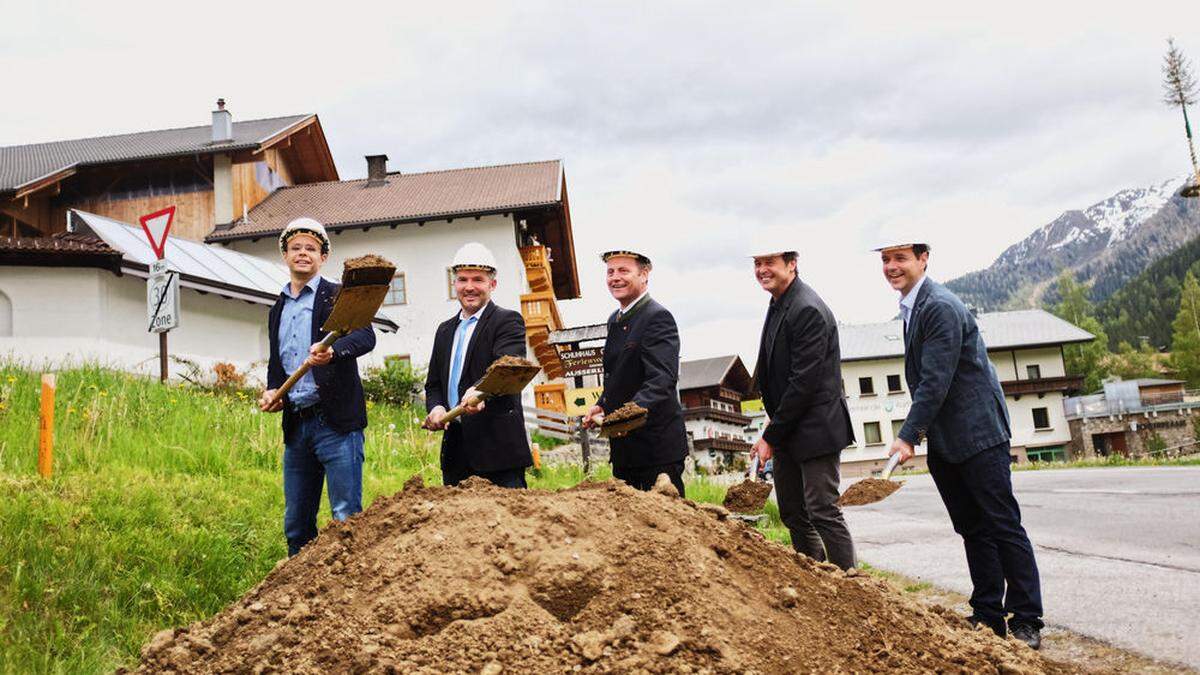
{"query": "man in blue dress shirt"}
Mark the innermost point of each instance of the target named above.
(324, 413)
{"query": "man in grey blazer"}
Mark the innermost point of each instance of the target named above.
(799, 373)
(958, 408)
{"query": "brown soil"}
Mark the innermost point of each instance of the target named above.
(748, 496)
(629, 411)
(597, 578)
(369, 260)
(507, 361)
(367, 270)
(868, 491)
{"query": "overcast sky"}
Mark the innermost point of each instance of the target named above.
(694, 131)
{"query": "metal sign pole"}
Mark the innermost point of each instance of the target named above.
(162, 357)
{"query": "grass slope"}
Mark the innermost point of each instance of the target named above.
(166, 504)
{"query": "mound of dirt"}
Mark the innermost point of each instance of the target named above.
(868, 491)
(597, 578)
(748, 496)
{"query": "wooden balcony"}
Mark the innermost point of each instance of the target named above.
(537, 269)
(540, 309)
(1042, 385)
(724, 444)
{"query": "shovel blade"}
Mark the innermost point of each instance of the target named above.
(507, 379)
(354, 307)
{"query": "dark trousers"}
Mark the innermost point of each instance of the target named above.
(979, 497)
(643, 477)
(455, 469)
(807, 492)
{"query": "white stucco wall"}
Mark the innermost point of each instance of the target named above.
(423, 253)
(884, 407)
(64, 316)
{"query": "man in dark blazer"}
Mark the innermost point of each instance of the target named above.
(489, 439)
(958, 408)
(799, 374)
(641, 364)
(324, 414)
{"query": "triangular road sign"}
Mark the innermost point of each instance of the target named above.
(157, 225)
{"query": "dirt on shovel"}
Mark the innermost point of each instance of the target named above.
(868, 491)
(747, 496)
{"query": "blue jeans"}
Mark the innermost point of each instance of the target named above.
(979, 497)
(317, 455)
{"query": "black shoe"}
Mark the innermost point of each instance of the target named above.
(1028, 634)
(997, 628)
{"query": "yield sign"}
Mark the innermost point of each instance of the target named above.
(157, 225)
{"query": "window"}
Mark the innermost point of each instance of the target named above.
(1041, 418)
(1053, 453)
(451, 294)
(397, 291)
(866, 387)
(896, 425)
(871, 433)
(893, 383)
(1033, 372)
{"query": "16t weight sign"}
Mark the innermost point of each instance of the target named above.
(162, 298)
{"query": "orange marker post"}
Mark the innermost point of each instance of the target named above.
(46, 427)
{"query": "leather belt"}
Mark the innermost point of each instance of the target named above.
(307, 413)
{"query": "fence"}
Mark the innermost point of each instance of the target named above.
(1102, 405)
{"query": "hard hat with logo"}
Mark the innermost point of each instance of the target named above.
(642, 258)
(304, 226)
(474, 256)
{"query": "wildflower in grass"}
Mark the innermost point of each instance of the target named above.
(12, 378)
(103, 393)
(392, 427)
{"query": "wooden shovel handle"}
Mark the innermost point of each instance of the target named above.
(304, 368)
(457, 410)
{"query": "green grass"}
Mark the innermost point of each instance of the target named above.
(1109, 461)
(165, 505)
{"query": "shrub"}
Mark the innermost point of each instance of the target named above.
(397, 383)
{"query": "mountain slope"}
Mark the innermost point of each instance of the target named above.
(1147, 304)
(1106, 244)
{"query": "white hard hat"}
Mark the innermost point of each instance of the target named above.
(902, 241)
(306, 226)
(768, 250)
(474, 256)
(625, 253)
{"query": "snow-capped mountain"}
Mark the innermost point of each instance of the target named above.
(1107, 243)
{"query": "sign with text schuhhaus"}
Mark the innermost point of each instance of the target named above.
(162, 297)
(580, 362)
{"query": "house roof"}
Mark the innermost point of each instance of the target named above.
(25, 165)
(712, 372)
(213, 269)
(404, 197)
(1001, 330)
(61, 250)
(1154, 382)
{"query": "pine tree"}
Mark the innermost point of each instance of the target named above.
(1185, 343)
(1088, 359)
(1179, 88)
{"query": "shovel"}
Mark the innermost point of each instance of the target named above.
(893, 462)
(628, 417)
(365, 283)
(506, 376)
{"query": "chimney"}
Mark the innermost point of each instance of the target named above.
(376, 170)
(222, 124)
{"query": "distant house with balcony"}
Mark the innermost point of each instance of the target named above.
(1133, 418)
(1025, 347)
(712, 391)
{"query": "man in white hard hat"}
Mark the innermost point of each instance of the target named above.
(489, 439)
(799, 374)
(958, 408)
(641, 364)
(324, 414)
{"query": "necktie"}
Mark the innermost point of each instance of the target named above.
(460, 353)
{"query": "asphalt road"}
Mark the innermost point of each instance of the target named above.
(1118, 550)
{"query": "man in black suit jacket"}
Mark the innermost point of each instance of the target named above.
(324, 413)
(799, 373)
(489, 439)
(641, 364)
(958, 407)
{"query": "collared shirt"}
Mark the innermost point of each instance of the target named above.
(907, 302)
(626, 308)
(295, 339)
(470, 330)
